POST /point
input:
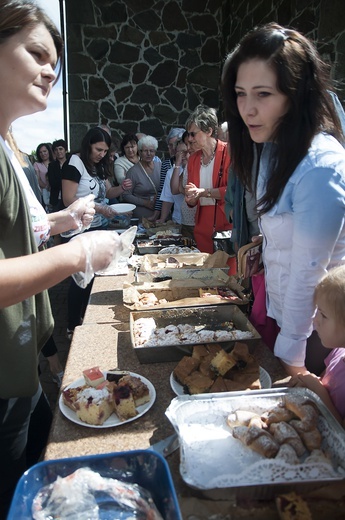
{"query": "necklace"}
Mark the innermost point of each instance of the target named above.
(149, 178)
(211, 159)
(148, 167)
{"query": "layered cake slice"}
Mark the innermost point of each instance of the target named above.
(93, 376)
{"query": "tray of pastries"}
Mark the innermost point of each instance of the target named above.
(212, 369)
(258, 441)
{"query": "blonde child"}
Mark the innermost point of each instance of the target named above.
(329, 322)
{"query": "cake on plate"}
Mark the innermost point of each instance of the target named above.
(140, 391)
(92, 406)
(93, 376)
(124, 402)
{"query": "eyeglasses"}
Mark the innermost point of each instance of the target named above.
(193, 134)
(148, 151)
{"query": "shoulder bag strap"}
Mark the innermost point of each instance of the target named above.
(220, 175)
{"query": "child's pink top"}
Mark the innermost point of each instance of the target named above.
(334, 378)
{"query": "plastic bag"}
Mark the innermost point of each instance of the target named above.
(121, 253)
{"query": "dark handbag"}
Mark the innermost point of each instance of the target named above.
(221, 239)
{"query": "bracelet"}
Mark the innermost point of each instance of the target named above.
(176, 166)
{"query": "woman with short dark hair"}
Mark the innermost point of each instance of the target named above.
(129, 156)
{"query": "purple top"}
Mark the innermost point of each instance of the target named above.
(334, 378)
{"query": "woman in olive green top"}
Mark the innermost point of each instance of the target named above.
(30, 48)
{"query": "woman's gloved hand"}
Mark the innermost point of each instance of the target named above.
(80, 213)
(99, 249)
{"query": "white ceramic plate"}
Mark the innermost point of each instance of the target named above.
(122, 208)
(113, 420)
(265, 380)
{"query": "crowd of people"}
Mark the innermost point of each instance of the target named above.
(274, 169)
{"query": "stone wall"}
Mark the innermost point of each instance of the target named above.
(141, 65)
(144, 65)
(320, 20)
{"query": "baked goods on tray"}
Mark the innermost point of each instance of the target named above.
(118, 394)
(211, 369)
(147, 334)
(288, 431)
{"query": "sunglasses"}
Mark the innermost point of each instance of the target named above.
(193, 134)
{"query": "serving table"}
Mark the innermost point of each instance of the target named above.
(104, 340)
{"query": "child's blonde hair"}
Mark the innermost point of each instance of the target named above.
(332, 288)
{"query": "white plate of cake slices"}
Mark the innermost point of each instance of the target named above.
(178, 389)
(91, 392)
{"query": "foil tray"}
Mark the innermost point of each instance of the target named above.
(220, 274)
(210, 316)
(212, 460)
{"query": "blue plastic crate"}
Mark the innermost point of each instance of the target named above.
(144, 467)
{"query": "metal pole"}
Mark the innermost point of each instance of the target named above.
(64, 74)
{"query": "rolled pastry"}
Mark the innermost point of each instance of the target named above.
(283, 433)
(277, 414)
(287, 454)
(257, 439)
(312, 440)
(304, 409)
(240, 418)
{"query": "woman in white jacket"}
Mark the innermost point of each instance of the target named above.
(276, 93)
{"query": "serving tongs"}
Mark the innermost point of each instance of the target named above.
(214, 327)
(166, 446)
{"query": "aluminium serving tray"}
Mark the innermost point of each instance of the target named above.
(211, 317)
(212, 459)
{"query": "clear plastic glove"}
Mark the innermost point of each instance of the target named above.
(82, 212)
(103, 249)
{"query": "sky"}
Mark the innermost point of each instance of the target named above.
(46, 126)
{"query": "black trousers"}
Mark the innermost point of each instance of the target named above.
(24, 429)
(77, 301)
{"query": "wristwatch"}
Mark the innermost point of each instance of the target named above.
(208, 193)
